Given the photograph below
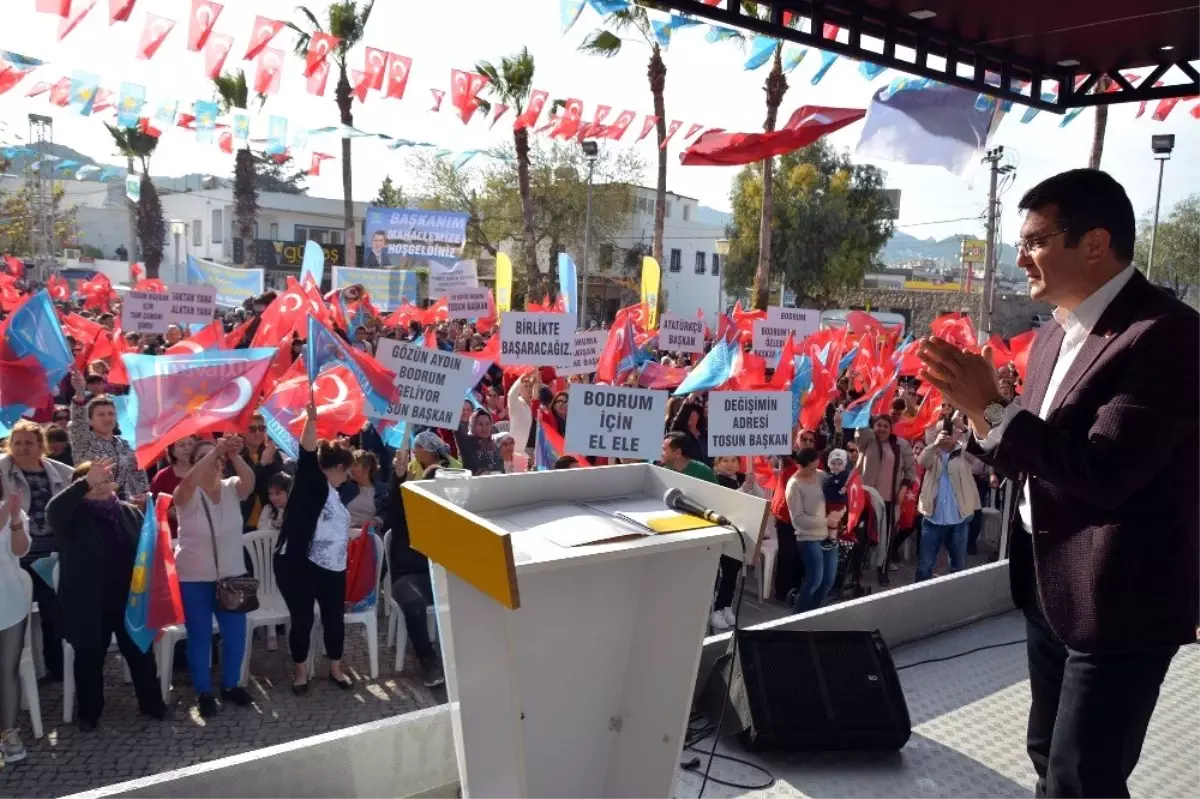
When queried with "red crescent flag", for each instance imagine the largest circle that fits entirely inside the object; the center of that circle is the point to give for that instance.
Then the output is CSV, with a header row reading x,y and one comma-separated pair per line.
x,y
59,8
568,122
529,117
315,168
376,68
806,125
856,500
647,125
73,17
497,112
398,69
693,129
119,10
617,129
216,50
60,290
264,31
438,95
153,34
200,24
320,45
360,83
270,71
597,126
209,337
318,79
60,93
41,87
11,77
464,92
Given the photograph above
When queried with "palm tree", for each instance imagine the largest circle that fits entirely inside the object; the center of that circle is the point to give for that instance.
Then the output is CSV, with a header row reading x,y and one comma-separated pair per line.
x,y
1100,126
345,20
607,43
233,92
151,227
775,87
511,84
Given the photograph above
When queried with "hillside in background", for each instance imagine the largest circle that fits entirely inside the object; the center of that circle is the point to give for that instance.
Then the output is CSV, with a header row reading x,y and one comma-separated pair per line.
x,y
904,247
193,182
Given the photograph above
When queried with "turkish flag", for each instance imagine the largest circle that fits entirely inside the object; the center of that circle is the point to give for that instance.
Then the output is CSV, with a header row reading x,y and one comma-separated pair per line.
x,y
59,8
671,128
617,129
528,117
398,69
438,96
314,168
856,500
119,10
318,79
806,125
376,68
264,31
41,87
693,130
200,24
209,337
270,71
216,50
597,126
568,122
647,125
70,20
153,34
464,92
60,92
319,48
60,290
497,112
361,83
11,77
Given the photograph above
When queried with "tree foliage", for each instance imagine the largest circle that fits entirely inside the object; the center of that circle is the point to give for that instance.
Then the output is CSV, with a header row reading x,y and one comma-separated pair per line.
x,y
279,174
390,195
1176,248
151,227
17,220
558,182
829,221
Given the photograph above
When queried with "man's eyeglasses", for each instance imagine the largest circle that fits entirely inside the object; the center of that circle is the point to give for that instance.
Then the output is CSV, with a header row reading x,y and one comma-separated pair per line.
x,y
1032,244
257,428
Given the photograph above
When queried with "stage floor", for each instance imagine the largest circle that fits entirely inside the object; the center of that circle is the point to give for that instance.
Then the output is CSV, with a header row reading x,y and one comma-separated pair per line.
x,y
969,717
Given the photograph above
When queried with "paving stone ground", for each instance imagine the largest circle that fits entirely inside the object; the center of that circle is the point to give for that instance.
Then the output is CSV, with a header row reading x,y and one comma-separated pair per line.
x,y
127,746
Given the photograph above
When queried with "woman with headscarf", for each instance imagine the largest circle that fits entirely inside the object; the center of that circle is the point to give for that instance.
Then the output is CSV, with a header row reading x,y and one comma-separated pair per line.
x,y
429,451
505,446
475,445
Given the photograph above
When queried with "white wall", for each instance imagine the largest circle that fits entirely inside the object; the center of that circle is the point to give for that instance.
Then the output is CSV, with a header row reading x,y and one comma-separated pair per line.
x,y
105,228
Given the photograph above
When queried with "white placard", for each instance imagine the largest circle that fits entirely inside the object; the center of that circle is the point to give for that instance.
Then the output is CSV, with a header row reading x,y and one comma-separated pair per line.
x,y
801,321
586,359
154,312
749,422
616,422
537,339
468,303
445,279
680,334
769,339
433,383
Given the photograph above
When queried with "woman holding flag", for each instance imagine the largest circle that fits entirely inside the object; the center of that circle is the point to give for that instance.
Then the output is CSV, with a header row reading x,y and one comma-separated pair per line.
x,y
97,541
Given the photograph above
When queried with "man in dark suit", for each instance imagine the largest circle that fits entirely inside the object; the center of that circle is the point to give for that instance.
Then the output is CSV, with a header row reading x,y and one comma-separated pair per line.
x,y
377,254
1103,444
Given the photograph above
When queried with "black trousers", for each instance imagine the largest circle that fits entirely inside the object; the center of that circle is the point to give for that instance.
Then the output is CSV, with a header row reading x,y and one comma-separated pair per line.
x,y
788,569
48,611
1089,712
302,583
727,577
89,671
414,594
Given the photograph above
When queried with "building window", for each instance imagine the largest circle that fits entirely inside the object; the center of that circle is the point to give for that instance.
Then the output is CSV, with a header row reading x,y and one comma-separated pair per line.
x,y
197,233
641,204
700,265
606,257
218,228
650,207
667,211
676,260
687,212
716,270
274,231
321,235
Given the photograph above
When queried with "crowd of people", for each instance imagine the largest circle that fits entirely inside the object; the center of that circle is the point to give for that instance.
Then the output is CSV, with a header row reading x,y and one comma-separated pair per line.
x,y
72,494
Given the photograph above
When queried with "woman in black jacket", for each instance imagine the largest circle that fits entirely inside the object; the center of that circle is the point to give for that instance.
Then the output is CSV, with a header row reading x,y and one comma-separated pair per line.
x,y
411,586
97,541
310,556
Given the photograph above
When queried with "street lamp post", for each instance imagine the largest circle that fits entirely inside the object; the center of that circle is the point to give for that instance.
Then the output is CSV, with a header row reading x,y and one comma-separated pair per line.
x,y
177,229
1161,145
590,151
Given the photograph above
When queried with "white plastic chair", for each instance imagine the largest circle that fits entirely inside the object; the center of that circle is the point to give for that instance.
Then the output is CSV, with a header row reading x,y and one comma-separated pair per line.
x,y
367,617
28,669
69,666
272,610
768,552
398,631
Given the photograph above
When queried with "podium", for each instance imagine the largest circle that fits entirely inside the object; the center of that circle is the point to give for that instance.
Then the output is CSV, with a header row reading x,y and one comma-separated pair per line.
x,y
570,666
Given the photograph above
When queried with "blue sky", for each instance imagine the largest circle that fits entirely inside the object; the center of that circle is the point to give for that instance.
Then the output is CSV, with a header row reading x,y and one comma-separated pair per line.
x,y
705,84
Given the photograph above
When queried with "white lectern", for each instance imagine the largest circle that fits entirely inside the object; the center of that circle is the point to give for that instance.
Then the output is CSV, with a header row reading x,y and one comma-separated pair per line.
x,y
570,666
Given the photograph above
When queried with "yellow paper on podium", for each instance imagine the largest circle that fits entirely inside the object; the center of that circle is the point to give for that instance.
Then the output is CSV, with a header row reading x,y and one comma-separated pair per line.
x,y
677,524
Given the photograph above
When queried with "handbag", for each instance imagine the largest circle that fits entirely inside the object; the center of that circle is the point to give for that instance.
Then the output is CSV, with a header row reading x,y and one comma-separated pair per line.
x,y
233,594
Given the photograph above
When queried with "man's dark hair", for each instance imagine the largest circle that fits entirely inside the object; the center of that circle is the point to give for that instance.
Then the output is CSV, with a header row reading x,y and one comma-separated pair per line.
x,y
806,456
1087,199
566,462
379,233
677,441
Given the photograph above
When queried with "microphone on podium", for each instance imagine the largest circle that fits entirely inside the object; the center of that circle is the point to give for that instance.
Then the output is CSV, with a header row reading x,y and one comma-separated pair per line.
x,y
677,501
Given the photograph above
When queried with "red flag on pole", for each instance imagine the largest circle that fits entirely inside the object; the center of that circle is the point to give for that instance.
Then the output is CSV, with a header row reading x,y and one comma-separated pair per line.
x,y
464,92
319,48
529,117
617,129
568,122
376,67
153,34
200,24
264,31
398,69
216,50
269,73
806,125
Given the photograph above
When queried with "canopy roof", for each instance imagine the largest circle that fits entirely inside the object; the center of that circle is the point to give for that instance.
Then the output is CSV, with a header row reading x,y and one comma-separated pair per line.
x,y
1051,54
